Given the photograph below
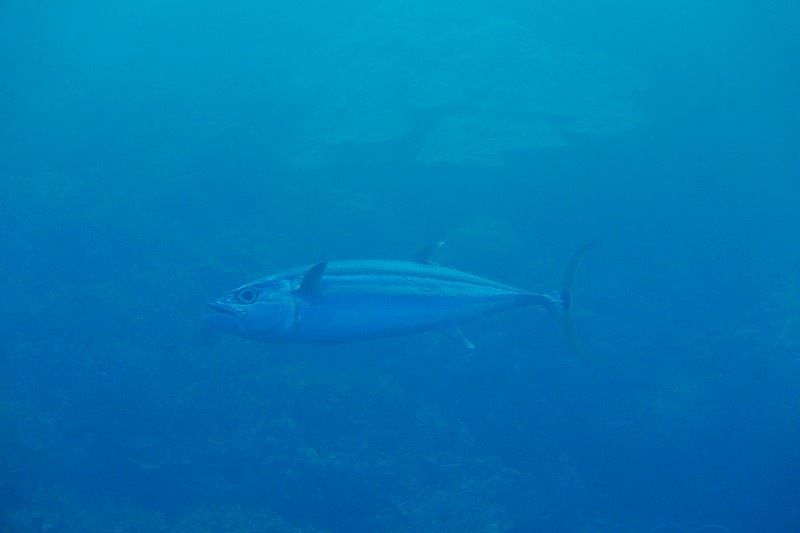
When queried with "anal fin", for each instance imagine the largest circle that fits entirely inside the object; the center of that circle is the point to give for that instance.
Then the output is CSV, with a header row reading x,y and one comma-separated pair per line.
x,y
455,335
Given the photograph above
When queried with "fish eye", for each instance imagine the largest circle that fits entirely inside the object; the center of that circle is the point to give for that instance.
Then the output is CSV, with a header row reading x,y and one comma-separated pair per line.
x,y
247,295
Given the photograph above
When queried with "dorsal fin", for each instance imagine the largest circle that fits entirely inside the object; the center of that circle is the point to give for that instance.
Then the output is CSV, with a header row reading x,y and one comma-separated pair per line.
x,y
312,281
425,255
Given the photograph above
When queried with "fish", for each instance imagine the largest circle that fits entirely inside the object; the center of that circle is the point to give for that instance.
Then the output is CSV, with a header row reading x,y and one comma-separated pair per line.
x,y
356,300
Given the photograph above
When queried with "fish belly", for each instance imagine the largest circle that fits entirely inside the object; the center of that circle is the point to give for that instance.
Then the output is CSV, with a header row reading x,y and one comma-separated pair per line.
x,y
355,317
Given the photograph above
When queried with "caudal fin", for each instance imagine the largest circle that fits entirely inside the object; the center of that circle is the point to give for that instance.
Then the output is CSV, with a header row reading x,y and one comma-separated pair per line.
x,y
559,302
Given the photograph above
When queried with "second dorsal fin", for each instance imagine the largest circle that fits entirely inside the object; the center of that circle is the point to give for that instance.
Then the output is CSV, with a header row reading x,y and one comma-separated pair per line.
x,y
426,254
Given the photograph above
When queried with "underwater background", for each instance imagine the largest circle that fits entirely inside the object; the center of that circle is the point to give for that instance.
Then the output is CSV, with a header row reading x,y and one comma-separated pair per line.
x,y
154,155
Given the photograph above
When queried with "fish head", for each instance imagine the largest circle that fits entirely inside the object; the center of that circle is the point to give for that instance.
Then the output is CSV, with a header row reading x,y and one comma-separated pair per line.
x,y
263,311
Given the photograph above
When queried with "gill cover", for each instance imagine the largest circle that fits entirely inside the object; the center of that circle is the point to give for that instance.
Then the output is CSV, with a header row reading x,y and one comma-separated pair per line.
x,y
264,311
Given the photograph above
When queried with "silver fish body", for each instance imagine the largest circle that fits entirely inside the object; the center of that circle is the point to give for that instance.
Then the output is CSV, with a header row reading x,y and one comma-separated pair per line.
x,y
347,301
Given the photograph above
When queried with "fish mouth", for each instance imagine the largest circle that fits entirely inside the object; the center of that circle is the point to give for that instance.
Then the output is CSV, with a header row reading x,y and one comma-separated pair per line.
x,y
223,309
225,318
220,308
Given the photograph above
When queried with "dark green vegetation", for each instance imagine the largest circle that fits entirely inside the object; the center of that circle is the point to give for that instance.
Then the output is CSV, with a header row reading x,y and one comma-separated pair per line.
x,y
120,412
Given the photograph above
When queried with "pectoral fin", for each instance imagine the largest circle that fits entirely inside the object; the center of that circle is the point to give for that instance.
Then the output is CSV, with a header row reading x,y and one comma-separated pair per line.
x,y
455,335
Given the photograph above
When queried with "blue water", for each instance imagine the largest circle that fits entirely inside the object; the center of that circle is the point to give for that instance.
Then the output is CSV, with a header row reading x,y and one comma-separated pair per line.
x,y
154,155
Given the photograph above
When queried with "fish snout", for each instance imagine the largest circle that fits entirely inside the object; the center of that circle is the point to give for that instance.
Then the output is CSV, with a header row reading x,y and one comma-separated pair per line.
x,y
224,309
225,318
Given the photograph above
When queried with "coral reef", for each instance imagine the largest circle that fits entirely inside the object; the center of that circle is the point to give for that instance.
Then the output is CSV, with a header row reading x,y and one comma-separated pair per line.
x,y
473,85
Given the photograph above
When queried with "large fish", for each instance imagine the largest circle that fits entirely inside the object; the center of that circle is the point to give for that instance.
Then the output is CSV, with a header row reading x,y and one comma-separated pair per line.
x,y
346,301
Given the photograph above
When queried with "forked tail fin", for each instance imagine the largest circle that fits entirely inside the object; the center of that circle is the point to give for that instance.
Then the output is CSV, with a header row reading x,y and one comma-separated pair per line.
x,y
559,302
